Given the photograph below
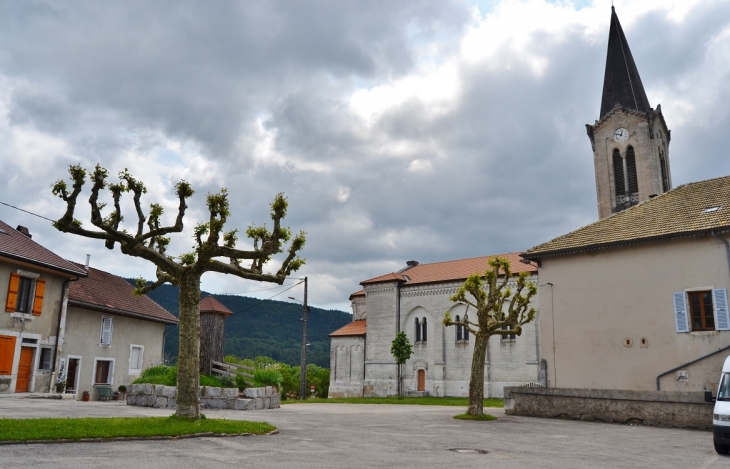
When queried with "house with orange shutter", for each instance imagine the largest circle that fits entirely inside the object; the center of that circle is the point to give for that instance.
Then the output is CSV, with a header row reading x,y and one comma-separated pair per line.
x,y
69,320
35,306
414,300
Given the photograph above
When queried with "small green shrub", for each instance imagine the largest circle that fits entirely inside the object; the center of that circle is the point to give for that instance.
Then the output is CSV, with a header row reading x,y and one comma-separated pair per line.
x,y
154,371
267,377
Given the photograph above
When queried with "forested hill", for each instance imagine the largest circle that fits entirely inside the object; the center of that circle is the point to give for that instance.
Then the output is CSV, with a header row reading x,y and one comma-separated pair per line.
x,y
271,328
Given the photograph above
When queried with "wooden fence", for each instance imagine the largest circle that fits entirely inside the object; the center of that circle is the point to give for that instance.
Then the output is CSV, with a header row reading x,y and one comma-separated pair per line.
x,y
232,370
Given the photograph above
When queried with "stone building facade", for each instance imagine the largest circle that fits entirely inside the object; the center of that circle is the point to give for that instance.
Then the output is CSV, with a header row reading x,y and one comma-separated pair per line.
x,y
415,300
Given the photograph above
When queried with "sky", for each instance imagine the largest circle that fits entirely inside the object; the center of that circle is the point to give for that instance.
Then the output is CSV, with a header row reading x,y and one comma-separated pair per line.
x,y
421,130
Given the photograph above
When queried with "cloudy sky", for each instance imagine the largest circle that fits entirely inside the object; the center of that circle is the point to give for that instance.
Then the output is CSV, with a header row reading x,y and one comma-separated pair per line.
x,y
427,130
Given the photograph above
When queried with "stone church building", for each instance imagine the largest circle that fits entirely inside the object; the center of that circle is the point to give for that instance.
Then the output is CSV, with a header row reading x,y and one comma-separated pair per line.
x,y
630,143
414,300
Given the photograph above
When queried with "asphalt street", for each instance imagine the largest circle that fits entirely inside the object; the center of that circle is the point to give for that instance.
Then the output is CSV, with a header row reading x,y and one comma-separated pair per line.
x,y
368,436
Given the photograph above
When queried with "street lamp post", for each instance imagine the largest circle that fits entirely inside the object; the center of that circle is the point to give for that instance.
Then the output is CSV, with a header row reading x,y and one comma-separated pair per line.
x,y
303,364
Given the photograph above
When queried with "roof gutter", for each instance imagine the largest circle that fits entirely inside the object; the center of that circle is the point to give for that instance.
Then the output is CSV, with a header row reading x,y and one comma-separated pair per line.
x,y
75,273
536,257
120,312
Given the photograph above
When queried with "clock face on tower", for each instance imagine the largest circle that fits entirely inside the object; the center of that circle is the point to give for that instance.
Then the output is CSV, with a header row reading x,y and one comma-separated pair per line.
x,y
620,135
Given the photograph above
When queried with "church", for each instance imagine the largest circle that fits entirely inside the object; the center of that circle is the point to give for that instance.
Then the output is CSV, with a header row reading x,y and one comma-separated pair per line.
x,y
630,144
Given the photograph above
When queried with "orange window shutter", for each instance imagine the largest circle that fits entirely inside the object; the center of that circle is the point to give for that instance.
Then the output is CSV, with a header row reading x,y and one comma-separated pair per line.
x,y
12,293
7,353
40,289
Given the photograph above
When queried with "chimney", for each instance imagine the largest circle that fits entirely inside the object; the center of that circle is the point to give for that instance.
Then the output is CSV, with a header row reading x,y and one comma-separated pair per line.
x,y
25,231
86,266
412,263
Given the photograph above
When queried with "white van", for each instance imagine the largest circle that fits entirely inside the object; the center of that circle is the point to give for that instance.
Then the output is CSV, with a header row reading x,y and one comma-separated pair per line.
x,y
721,414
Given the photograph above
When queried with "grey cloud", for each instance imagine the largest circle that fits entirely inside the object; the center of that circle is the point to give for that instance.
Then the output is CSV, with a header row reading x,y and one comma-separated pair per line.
x,y
512,166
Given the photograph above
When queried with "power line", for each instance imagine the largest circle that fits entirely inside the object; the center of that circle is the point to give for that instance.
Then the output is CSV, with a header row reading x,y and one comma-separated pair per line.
x,y
26,211
254,291
269,298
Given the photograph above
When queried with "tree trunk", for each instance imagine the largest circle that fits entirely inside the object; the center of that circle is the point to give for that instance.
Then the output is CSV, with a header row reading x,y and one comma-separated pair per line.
x,y
188,362
476,383
212,329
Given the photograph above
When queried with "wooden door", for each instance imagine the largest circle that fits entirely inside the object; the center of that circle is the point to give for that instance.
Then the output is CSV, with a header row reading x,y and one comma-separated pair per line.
x,y
73,364
421,380
24,368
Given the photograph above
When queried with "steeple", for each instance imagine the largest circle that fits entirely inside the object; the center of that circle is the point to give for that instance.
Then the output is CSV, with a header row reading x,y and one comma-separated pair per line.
x,y
630,140
621,83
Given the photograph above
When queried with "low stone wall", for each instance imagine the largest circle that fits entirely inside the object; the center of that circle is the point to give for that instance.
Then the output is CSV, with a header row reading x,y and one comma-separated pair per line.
x,y
164,397
655,408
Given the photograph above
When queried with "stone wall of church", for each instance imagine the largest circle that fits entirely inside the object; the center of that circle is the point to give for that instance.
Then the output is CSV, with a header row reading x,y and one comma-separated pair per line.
x,y
445,361
347,362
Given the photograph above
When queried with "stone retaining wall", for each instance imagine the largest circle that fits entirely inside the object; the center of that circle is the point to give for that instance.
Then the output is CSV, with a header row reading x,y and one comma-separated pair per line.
x,y
655,408
164,397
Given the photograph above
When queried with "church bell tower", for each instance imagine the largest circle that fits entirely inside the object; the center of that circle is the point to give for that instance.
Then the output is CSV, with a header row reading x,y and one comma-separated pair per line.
x,y
630,140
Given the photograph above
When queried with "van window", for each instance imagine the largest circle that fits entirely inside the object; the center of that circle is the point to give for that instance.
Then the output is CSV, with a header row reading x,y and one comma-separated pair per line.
x,y
723,394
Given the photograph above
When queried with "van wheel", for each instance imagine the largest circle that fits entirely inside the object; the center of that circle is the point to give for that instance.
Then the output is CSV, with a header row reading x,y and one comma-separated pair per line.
x,y
721,449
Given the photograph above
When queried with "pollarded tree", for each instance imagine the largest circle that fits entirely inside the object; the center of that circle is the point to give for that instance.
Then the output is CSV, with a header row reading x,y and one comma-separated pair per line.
x,y
184,271
499,311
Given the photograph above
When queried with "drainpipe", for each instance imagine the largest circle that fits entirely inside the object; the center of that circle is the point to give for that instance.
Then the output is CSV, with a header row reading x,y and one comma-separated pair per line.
x,y
61,316
727,247
397,330
658,386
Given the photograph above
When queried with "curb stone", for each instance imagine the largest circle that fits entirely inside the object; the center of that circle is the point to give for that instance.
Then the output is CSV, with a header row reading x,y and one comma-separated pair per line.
x,y
134,438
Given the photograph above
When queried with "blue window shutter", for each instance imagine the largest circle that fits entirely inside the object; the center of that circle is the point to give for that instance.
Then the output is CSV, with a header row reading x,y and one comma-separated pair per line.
x,y
680,312
722,318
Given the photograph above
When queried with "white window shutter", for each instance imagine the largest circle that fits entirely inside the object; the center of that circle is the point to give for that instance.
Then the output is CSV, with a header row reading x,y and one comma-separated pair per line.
x,y
106,331
680,312
722,319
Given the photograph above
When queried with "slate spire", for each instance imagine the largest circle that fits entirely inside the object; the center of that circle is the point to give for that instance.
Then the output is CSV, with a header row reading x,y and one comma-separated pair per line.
x,y
622,83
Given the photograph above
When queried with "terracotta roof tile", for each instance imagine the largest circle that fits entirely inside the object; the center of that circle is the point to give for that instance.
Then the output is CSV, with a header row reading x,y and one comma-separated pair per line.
x,y
449,271
357,293
695,208
355,328
107,292
16,245
211,305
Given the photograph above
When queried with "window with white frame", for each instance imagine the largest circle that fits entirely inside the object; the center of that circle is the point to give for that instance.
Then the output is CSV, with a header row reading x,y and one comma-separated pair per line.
x,y
701,310
106,331
103,371
136,358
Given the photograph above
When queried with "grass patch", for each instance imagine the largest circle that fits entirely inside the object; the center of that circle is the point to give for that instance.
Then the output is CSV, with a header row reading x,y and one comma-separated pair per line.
x,y
77,428
475,417
448,401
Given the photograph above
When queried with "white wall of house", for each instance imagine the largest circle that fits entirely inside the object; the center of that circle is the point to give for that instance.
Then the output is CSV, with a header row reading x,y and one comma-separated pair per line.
x,y
83,339
608,320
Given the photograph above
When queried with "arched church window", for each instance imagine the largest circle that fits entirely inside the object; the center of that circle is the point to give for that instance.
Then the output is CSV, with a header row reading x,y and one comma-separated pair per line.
x,y
618,173
466,333
631,170
459,334
418,331
425,330
663,167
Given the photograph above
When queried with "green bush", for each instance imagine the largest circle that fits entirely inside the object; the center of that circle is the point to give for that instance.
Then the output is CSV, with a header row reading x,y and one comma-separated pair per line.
x,y
267,377
155,370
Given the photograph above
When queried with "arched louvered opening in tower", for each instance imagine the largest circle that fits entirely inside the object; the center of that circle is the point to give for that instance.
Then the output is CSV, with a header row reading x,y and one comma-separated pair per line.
x,y
425,330
663,166
418,330
618,174
631,173
459,334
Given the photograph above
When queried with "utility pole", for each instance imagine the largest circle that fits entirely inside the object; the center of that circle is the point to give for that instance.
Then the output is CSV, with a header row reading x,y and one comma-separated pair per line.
x,y
303,373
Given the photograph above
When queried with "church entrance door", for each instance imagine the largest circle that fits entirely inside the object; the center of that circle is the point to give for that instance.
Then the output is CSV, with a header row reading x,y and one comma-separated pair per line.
x,y
421,380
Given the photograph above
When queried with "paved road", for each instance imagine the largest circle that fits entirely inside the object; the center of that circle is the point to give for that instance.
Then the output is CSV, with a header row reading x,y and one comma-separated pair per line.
x,y
368,436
